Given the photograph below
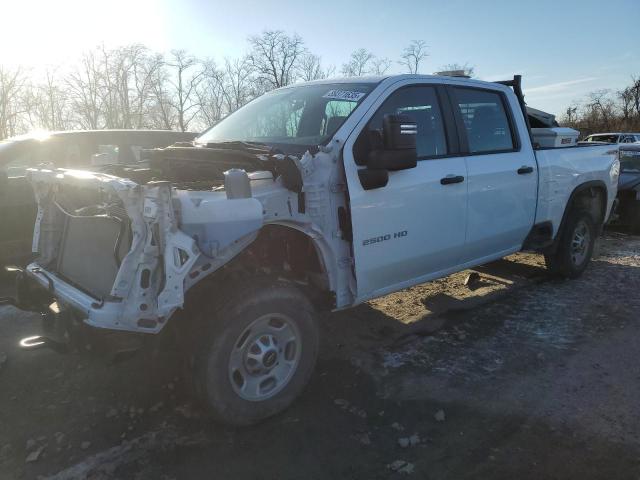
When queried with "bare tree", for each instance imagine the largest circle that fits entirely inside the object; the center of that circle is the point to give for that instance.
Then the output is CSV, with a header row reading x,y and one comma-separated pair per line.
x,y
380,66
626,102
131,77
359,63
49,104
187,74
84,85
134,87
634,92
210,95
12,84
600,108
161,110
275,56
413,55
311,68
236,83
571,114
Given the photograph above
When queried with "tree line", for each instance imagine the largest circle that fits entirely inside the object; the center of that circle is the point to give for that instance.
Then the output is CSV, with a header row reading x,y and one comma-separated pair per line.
x,y
135,87
606,111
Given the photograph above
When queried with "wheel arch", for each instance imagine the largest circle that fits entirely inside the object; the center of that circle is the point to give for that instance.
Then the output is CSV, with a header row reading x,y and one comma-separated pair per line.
x,y
592,196
283,250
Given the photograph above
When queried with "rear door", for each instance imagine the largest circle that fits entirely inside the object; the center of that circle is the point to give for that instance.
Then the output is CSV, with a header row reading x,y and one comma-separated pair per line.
x,y
502,173
413,227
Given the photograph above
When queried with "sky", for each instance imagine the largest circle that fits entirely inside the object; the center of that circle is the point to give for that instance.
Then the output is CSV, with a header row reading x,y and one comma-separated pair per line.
x,y
563,48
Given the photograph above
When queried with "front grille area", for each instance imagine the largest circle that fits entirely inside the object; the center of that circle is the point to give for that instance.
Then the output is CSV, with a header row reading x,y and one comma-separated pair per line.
x,y
91,250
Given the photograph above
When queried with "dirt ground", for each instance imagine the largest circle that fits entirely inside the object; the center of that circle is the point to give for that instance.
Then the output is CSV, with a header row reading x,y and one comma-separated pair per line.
x,y
518,376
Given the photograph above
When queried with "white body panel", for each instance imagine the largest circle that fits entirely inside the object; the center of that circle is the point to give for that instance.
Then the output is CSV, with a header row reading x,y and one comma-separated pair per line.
x,y
562,170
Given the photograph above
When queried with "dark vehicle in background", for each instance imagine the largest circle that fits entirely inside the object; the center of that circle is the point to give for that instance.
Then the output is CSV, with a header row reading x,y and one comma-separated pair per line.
x,y
628,209
102,150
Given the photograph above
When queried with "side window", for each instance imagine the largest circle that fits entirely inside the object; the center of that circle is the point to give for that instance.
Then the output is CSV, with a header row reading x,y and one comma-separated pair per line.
x,y
421,103
485,120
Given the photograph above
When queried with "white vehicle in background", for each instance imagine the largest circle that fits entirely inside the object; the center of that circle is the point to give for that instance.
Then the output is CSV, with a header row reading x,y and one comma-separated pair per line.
x,y
314,196
614,138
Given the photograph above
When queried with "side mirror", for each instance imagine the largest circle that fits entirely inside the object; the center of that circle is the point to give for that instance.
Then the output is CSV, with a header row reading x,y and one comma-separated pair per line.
x,y
398,150
371,179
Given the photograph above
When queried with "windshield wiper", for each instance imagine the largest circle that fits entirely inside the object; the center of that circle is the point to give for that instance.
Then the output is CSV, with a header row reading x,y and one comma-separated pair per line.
x,y
240,145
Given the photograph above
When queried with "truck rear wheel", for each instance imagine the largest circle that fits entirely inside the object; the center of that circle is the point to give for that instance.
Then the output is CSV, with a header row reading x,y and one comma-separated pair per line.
x,y
575,246
259,352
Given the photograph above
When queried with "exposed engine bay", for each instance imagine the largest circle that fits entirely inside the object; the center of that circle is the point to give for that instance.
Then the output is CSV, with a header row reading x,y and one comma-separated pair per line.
x,y
202,168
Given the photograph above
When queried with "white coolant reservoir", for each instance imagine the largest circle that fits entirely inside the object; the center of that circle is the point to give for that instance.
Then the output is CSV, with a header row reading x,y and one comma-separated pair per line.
x,y
215,221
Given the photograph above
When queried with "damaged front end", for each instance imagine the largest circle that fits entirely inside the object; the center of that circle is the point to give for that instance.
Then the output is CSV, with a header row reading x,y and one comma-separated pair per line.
x,y
121,253
110,248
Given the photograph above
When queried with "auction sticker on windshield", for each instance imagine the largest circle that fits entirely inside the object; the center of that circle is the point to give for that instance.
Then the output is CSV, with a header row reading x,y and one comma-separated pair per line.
x,y
347,95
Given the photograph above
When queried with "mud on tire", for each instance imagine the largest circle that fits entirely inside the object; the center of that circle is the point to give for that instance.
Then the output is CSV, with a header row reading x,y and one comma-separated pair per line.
x,y
257,351
575,246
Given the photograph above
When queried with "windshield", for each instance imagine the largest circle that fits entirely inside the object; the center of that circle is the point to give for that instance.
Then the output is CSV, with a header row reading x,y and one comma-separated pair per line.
x,y
630,161
603,138
307,115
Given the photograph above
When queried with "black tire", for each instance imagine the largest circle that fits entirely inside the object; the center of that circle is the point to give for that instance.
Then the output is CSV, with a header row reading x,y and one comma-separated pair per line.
x,y
216,380
569,260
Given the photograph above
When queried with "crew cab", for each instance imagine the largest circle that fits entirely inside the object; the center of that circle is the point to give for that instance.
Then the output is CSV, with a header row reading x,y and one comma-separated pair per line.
x,y
314,196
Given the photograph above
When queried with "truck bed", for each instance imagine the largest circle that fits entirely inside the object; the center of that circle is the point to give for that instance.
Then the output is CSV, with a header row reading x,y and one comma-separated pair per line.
x,y
561,170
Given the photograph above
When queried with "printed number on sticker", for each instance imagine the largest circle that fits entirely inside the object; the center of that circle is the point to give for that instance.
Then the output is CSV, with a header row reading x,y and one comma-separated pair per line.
x,y
347,95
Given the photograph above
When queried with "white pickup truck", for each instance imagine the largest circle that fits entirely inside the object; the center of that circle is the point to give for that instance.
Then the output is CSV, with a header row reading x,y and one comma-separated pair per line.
x,y
315,196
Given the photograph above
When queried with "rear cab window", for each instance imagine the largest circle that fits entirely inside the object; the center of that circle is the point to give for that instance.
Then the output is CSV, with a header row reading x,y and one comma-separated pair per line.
x,y
488,126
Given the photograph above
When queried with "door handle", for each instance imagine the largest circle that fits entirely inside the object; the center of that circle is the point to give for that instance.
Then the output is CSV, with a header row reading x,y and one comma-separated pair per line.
x,y
524,169
449,179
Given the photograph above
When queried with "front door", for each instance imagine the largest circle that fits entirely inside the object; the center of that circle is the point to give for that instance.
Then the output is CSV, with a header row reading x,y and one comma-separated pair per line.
x,y
414,227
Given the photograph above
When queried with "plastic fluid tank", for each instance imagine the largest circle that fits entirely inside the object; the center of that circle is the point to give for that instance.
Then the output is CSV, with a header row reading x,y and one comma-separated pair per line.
x,y
214,221
236,184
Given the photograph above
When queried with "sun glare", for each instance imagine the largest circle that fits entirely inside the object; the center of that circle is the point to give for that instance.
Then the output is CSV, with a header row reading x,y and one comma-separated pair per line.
x,y
42,32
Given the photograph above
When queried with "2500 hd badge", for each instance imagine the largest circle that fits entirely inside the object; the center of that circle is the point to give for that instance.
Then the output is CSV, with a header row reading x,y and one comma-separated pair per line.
x,y
384,238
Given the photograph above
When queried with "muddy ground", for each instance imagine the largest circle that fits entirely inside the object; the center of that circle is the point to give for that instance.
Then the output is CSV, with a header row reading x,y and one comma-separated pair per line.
x,y
518,377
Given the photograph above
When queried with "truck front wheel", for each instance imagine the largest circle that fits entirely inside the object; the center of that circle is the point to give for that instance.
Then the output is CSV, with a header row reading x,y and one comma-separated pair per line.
x,y
575,246
259,352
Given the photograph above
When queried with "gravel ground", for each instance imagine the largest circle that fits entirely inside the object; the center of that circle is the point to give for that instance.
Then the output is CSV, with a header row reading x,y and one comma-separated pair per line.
x,y
516,376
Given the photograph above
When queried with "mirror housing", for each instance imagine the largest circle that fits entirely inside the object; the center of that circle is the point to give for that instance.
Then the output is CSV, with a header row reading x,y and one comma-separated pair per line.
x,y
370,179
398,150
